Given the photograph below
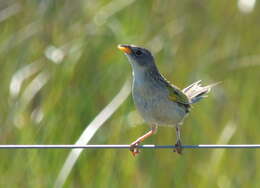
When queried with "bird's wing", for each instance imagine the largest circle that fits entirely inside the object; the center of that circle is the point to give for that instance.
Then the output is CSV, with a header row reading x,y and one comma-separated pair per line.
x,y
176,95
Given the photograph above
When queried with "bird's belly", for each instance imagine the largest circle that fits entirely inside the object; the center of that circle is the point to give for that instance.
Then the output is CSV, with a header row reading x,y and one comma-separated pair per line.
x,y
159,110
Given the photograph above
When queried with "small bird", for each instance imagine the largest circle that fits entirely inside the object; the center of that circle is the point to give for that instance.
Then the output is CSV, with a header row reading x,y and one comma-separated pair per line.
x,y
159,102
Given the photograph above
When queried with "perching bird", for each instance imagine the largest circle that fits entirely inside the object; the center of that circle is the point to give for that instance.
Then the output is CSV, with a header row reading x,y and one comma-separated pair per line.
x,y
159,102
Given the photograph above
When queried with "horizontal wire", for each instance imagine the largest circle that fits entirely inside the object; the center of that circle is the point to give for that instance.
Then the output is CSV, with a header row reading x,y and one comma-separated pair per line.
x,y
201,146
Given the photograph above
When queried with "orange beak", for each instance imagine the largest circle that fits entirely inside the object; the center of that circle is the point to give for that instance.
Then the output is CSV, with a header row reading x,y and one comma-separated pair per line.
x,y
124,48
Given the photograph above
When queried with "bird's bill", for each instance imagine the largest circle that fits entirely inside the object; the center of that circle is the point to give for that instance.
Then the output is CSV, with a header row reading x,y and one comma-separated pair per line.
x,y
124,48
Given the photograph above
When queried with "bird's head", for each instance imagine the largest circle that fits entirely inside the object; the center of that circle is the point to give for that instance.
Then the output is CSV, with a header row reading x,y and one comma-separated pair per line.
x,y
140,58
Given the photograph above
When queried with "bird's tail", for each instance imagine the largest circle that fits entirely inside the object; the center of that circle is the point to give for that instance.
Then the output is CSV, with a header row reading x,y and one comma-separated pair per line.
x,y
196,92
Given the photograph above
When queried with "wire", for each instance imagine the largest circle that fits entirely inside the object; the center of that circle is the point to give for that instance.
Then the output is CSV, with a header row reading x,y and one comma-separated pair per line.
x,y
202,146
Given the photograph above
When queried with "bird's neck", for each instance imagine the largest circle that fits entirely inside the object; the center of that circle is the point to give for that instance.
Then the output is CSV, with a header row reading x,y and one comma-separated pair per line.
x,y
141,74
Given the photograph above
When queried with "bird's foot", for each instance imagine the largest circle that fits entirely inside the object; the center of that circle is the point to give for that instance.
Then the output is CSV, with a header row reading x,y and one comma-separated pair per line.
x,y
178,147
134,148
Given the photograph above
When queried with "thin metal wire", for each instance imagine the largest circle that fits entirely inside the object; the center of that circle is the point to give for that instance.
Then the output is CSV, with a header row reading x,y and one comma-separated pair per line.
x,y
201,146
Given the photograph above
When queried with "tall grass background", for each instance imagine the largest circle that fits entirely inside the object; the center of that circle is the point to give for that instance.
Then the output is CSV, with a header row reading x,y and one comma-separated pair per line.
x,y
60,68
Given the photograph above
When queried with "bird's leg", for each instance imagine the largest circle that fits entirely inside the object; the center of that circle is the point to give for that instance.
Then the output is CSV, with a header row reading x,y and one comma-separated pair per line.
x,y
134,146
178,146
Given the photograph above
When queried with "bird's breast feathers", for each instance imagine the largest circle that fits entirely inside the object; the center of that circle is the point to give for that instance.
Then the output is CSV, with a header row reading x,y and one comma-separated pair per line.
x,y
154,105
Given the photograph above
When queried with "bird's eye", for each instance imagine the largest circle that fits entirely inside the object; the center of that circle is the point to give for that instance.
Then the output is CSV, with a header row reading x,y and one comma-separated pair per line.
x,y
138,52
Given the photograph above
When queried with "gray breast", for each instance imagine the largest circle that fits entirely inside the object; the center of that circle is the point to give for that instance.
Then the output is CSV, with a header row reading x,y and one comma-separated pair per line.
x,y
152,102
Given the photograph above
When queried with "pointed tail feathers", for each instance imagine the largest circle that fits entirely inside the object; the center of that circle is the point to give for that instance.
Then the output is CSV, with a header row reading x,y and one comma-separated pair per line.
x,y
196,92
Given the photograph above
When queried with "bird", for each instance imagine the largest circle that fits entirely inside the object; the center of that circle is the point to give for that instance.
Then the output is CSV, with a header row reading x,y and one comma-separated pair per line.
x,y
159,102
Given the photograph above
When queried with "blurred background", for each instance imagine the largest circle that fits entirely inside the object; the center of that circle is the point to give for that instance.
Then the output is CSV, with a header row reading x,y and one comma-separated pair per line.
x,y
60,67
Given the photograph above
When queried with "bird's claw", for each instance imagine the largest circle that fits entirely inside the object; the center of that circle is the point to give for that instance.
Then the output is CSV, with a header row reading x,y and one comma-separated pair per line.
x,y
134,148
178,147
